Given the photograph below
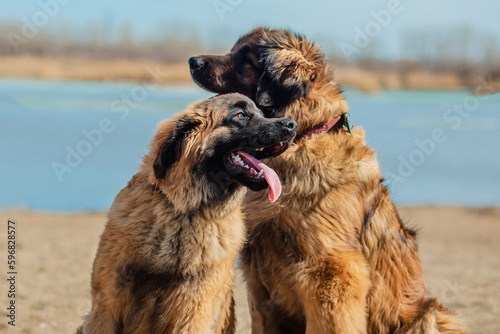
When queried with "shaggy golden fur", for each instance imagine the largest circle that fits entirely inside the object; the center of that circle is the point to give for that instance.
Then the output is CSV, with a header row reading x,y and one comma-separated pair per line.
x,y
332,255
165,260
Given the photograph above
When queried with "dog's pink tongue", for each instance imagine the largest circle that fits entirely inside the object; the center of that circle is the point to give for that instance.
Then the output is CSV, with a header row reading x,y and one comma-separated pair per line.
x,y
269,174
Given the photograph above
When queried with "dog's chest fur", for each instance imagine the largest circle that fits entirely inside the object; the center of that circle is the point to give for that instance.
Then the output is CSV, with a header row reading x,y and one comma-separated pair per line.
x,y
319,211
168,265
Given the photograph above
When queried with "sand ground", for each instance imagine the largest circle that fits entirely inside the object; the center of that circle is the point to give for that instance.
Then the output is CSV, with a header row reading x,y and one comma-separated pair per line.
x,y
459,249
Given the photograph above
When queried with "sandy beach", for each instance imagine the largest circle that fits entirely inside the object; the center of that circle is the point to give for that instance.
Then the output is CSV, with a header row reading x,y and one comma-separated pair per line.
x,y
459,248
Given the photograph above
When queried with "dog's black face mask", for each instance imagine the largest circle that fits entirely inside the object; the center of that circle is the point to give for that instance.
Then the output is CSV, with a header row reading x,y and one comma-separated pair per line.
x,y
251,137
269,74
234,146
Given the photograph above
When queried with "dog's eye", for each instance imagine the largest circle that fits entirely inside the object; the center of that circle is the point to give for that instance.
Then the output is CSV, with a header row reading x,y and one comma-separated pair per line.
x,y
241,115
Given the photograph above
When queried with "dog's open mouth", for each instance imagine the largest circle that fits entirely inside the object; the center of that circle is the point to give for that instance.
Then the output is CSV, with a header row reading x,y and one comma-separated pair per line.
x,y
245,162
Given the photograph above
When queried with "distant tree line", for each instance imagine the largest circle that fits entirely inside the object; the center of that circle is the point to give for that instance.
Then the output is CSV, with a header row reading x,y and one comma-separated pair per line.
x,y
94,43
459,50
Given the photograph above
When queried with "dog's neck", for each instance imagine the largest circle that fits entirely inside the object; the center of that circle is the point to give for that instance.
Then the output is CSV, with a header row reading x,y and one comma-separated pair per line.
x,y
318,110
215,199
327,101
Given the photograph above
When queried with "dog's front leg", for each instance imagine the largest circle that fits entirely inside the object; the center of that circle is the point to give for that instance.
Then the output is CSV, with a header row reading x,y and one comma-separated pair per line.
x,y
338,303
267,317
261,309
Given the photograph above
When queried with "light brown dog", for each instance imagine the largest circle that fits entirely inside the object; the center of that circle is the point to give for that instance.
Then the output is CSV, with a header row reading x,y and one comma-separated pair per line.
x,y
332,255
165,260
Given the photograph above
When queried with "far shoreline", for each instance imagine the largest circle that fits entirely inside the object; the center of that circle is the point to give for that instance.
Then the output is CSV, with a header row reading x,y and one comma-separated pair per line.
x,y
170,74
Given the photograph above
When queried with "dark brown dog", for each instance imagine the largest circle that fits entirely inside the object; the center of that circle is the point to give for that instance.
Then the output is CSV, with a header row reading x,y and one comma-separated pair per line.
x,y
165,260
332,255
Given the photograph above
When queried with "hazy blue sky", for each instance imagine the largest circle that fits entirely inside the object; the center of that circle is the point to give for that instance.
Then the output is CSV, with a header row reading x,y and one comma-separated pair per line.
x,y
329,22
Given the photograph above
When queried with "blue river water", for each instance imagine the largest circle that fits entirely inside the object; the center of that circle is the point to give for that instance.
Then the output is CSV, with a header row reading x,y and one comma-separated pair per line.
x,y
436,148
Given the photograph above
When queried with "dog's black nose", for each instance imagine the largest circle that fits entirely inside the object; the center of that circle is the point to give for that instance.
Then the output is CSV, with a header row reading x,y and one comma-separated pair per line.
x,y
196,63
289,124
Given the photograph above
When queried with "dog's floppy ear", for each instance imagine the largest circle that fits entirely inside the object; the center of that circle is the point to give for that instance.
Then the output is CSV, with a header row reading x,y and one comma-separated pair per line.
x,y
171,150
287,76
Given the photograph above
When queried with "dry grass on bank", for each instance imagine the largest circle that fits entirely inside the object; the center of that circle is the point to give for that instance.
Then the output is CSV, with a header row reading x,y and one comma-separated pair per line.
x,y
178,73
374,81
84,69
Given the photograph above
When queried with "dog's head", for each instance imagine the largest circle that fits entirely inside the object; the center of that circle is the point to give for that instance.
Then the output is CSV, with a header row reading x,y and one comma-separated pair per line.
x,y
272,67
216,144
